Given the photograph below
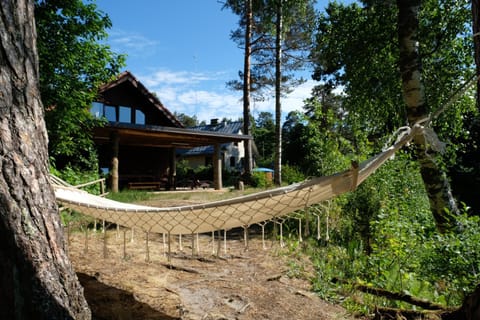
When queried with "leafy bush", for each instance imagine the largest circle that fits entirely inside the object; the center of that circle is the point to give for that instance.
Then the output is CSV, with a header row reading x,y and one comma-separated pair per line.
x,y
76,176
291,174
452,261
260,180
386,237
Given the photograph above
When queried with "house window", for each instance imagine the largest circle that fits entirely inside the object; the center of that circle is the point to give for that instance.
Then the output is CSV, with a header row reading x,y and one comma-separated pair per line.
x,y
139,117
110,113
125,114
97,109
232,162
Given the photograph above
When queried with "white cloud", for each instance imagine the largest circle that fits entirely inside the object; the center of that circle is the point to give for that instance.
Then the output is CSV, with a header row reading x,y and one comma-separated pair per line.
x,y
168,77
202,95
134,43
293,101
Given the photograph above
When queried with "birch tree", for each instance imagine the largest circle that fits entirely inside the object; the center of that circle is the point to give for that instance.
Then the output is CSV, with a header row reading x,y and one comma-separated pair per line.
x,y
442,203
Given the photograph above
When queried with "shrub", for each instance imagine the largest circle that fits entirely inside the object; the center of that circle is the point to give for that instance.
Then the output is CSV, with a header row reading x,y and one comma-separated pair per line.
x,y
291,174
260,180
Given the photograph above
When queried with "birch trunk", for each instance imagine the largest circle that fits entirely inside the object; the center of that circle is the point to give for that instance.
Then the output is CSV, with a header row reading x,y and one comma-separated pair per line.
x,y
278,86
442,204
37,280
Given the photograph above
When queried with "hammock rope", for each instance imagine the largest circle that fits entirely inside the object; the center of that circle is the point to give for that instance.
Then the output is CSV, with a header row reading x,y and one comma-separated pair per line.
x,y
224,215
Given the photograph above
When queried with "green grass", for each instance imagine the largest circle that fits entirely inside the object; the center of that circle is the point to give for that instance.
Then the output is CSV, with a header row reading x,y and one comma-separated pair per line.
x,y
130,196
134,196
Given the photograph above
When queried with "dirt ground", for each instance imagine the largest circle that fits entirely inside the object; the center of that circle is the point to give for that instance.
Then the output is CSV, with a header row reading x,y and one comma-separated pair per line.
x,y
224,280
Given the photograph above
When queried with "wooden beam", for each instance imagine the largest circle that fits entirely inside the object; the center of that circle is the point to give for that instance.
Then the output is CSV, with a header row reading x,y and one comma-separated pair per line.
x,y
217,167
172,170
115,140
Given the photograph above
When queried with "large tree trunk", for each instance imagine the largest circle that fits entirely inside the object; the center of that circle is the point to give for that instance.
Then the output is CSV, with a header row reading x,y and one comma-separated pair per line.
x,y
470,309
278,86
248,166
37,280
442,204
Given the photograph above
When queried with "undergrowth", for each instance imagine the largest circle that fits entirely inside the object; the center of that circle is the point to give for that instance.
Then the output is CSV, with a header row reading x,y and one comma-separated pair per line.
x,y
383,236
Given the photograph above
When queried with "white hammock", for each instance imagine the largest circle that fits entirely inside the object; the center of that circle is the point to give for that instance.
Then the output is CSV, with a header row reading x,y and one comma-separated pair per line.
x,y
226,214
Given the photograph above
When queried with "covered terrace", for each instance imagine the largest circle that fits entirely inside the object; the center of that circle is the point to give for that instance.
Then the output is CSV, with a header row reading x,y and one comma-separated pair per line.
x,y
126,142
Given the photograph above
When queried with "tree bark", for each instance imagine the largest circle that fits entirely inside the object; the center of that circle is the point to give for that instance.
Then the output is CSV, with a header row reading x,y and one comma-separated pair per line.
x,y
248,166
470,309
442,204
37,280
278,86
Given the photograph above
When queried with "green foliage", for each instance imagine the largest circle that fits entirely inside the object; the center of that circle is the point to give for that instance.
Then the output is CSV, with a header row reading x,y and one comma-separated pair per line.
x,y
76,176
363,208
387,236
183,170
389,214
291,174
357,48
452,261
264,136
327,150
260,180
186,120
298,25
74,62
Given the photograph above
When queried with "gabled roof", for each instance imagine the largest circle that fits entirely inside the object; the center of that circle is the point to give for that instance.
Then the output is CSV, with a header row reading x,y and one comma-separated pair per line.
x,y
126,76
161,136
221,128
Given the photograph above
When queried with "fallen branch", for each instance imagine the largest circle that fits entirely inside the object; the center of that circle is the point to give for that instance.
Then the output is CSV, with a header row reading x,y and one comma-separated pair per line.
x,y
423,303
179,268
274,277
394,313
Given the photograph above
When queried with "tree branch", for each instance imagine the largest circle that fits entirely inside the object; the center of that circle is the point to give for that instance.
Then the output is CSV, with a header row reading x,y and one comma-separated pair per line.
x,y
425,304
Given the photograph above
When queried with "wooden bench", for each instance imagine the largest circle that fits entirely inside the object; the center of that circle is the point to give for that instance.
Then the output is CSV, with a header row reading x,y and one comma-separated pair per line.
x,y
146,185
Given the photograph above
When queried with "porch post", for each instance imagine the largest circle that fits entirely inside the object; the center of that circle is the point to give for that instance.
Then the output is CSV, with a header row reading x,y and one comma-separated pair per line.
x,y
115,139
217,167
172,172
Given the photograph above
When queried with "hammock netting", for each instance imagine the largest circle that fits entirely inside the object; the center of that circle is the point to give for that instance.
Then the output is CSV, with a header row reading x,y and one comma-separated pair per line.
x,y
226,214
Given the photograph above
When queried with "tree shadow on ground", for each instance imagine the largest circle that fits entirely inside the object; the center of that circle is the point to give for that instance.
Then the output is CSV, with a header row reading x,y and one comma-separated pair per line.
x,y
110,303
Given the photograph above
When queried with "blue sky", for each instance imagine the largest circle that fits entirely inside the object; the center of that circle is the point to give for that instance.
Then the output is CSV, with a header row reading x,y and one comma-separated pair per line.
x,y
181,50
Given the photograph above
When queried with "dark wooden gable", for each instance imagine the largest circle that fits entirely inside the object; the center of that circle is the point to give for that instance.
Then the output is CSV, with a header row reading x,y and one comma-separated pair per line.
x,y
127,91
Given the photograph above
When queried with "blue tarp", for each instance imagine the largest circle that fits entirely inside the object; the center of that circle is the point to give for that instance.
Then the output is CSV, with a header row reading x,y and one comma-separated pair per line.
x,y
262,170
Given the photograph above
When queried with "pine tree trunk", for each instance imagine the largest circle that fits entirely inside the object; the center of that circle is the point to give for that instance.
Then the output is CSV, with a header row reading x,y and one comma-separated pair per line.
x,y
37,280
278,86
246,87
442,204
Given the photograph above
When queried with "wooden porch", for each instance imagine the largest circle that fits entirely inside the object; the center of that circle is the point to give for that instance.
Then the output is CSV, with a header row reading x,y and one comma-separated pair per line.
x,y
154,147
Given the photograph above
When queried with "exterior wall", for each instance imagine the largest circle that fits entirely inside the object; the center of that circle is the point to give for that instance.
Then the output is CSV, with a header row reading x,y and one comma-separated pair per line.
x,y
126,95
237,151
228,151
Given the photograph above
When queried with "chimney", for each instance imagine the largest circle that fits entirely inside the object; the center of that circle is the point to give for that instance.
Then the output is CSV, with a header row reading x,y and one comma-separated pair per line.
x,y
214,122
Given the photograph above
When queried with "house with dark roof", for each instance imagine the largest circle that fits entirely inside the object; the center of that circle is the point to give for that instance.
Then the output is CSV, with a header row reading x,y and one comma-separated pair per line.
x,y
232,153
138,144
